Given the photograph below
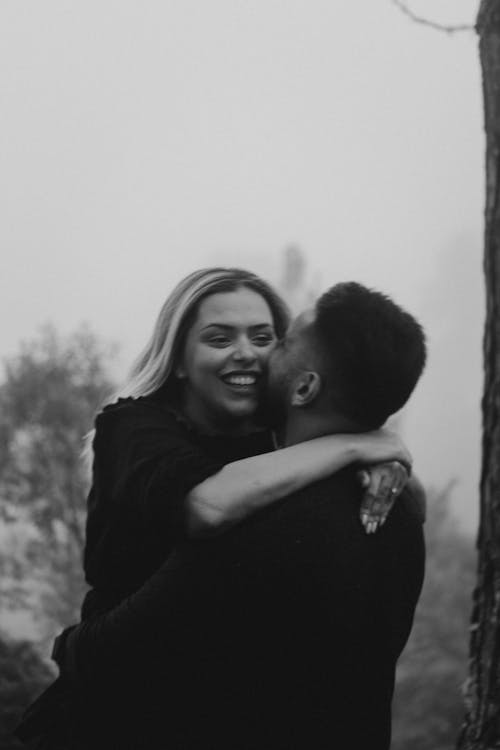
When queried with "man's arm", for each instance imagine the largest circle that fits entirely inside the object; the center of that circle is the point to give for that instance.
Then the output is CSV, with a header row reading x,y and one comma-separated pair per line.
x,y
121,643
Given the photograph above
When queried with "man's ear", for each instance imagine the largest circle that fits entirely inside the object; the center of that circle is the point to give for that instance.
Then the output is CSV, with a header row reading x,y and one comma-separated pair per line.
x,y
306,388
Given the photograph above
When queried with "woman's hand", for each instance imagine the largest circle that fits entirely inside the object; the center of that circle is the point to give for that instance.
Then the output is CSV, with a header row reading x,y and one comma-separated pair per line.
x,y
383,483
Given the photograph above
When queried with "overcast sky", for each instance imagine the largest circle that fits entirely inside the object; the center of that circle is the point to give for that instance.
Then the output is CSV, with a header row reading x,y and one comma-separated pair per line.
x,y
141,140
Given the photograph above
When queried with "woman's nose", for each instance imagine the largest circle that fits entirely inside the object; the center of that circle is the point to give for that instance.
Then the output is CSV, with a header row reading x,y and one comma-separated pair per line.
x,y
244,350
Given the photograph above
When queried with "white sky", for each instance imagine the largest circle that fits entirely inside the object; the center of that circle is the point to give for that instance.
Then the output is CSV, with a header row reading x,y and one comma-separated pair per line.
x,y
141,140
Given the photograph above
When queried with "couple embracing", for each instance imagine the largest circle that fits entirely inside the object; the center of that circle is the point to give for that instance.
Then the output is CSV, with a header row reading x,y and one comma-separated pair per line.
x,y
254,544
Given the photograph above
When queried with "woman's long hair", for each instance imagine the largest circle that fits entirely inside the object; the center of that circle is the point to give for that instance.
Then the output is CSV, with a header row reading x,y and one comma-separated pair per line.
x,y
155,366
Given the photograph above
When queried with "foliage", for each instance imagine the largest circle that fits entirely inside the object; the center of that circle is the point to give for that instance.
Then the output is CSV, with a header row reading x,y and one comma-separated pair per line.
x,y
23,675
48,399
428,705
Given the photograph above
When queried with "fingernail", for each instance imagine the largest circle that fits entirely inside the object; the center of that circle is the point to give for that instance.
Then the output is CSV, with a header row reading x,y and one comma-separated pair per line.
x,y
364,518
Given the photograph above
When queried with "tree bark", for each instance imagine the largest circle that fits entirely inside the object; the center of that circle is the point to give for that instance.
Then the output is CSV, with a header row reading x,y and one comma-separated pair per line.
x,y
481,729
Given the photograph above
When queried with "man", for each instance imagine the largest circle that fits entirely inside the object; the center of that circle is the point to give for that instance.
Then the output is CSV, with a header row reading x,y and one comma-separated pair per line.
x,y
309,614
284,632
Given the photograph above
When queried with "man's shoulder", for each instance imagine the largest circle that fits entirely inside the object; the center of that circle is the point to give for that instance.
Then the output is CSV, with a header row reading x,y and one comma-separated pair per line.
x,y
407,511
302,524
343,491
343,486
321,519
335,499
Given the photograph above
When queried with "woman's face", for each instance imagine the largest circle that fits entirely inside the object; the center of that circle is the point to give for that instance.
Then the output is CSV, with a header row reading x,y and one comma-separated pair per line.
x,y
224,360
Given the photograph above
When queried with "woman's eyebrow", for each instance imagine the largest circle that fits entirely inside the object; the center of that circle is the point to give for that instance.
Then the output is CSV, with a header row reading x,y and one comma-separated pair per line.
x,y
226,326
229,327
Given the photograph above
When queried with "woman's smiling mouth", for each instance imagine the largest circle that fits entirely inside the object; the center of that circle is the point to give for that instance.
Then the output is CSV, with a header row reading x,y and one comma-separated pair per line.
x,y
240,379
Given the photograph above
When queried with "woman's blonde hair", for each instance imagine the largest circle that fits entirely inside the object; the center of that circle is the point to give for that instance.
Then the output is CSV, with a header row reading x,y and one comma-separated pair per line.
x,y
154,367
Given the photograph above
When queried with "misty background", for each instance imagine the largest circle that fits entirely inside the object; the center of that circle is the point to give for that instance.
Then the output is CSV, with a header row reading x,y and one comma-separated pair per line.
x,y
140,141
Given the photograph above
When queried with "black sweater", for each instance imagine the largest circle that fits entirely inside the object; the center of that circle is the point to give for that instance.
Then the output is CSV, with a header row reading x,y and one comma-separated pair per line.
x,y
146,460
282,633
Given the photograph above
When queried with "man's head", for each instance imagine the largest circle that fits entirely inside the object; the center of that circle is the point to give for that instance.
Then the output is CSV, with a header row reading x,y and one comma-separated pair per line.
x,y
356,356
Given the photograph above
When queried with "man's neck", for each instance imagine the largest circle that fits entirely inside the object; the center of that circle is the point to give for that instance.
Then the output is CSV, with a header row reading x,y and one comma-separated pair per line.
x,y
304,425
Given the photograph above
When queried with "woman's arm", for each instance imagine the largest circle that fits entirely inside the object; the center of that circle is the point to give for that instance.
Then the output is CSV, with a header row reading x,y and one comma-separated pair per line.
x,y
243,487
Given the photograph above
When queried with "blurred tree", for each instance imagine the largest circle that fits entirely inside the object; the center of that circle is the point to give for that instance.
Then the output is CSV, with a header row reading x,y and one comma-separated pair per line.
x,y
428,703
23,675
298,291
481,730
48,399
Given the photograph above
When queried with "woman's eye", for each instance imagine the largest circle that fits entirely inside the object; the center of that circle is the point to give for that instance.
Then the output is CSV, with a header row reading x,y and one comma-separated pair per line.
x,y
263,339
219,340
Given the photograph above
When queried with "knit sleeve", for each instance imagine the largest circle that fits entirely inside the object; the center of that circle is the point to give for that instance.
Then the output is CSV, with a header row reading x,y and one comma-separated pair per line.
x,y
145,464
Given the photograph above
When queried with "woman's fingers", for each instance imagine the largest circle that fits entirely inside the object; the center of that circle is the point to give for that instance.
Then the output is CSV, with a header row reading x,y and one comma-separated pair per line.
x,y
386,481
364,477
377,500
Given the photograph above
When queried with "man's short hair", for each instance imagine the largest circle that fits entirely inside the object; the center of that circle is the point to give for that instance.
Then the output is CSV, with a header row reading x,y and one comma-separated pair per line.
x,y
373,352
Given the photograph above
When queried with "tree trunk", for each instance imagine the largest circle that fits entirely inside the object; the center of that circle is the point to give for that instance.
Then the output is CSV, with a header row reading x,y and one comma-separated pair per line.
x,y
481,730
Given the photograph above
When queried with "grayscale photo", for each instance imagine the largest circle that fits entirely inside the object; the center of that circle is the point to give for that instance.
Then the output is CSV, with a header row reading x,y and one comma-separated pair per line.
x,y
249,375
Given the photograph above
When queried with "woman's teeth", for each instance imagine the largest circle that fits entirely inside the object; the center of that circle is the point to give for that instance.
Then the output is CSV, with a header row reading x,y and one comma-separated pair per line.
x,y
241,379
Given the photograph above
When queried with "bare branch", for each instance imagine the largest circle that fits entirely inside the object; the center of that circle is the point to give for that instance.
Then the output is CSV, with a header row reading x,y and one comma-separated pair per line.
x,y
448,29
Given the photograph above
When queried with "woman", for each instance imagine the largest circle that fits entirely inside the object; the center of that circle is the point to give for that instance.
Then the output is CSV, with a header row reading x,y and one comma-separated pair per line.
x,y
180,455
183,451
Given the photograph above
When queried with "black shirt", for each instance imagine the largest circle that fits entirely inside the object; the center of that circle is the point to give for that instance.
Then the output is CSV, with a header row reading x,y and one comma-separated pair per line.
x,y
282,633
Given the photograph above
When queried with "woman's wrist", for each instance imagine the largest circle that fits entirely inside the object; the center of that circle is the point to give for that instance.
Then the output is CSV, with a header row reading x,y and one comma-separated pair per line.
x,y
381,446
361,447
